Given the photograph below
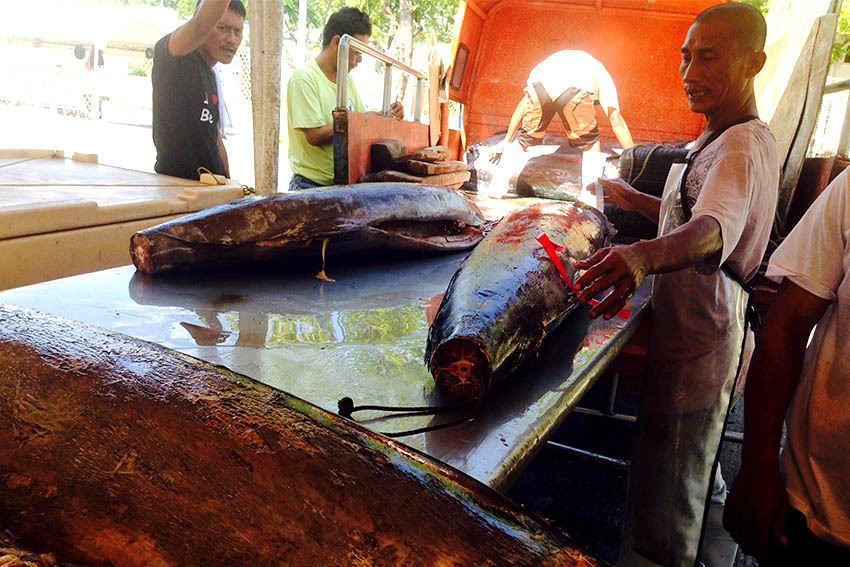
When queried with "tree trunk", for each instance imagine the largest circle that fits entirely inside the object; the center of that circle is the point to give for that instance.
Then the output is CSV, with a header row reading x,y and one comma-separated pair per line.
x,y
403,46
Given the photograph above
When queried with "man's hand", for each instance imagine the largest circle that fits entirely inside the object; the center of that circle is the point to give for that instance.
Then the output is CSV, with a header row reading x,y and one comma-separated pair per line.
x,y
397,110
188,37
618,192
756,509
495,151
620,267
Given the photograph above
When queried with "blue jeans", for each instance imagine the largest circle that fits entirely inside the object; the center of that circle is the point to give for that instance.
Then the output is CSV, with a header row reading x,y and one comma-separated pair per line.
x,y
299,182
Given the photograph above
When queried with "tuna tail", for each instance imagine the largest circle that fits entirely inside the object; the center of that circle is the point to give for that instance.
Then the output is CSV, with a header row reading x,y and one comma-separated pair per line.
x,y
461,369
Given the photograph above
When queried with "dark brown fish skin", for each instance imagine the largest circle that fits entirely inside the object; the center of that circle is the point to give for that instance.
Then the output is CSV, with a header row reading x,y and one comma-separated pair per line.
x,y
507,296
354,218
119,452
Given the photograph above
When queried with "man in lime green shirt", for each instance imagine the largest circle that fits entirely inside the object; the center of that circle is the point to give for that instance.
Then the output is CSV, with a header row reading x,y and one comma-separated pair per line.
x,y
311,99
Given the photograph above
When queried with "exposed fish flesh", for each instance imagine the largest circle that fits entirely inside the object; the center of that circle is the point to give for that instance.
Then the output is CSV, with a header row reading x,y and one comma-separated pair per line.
x,y
346,219
120,452
507,296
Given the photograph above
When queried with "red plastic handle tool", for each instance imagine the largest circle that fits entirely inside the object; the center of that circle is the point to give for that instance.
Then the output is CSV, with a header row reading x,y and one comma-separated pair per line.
x,y
551,251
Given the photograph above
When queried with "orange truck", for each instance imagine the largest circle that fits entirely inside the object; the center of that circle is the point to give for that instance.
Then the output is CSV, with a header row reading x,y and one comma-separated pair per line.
x,y
497,43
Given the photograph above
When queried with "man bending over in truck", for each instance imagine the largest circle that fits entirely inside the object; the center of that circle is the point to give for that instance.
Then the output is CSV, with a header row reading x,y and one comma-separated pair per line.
x,y
311,99
185,97
715,219
574,86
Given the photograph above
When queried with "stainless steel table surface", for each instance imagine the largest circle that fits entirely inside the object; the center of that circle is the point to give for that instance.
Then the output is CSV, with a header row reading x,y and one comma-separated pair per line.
x,y
362,336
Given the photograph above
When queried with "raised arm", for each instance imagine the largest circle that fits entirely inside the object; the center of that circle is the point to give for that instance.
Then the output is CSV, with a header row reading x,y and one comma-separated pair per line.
x,y
188,37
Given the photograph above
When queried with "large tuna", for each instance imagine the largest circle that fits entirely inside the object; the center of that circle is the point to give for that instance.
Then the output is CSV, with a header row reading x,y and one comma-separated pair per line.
x,y
344,219
507,295
119,452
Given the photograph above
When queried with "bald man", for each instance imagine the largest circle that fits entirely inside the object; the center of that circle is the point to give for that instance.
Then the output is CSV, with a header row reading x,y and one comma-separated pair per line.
x,y
714,220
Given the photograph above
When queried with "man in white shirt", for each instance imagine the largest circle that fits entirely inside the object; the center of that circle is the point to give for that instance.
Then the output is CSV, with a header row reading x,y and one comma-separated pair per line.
x,y
714,224
799,513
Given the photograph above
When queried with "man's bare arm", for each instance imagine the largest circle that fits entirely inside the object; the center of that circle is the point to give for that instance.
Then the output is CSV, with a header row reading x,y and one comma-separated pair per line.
x,y
621,129
757,506
188,37
516,119
513,126
319,136
624,267
620,193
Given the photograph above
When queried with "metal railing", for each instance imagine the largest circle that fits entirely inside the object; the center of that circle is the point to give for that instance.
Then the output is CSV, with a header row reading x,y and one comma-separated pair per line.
x,y
346,42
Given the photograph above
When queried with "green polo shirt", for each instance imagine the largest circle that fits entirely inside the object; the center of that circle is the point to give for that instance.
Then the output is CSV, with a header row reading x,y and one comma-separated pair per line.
x,y
310,101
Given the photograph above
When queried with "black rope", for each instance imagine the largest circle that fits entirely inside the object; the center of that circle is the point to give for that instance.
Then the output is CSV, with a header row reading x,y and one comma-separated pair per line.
x,y
346,408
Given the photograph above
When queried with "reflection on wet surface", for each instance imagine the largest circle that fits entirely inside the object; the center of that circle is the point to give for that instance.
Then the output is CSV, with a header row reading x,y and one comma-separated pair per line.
x,y
363,337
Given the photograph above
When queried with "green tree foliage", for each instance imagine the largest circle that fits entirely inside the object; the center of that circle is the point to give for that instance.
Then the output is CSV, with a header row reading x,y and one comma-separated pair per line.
x,y
185,8
429,16
841,47
760,4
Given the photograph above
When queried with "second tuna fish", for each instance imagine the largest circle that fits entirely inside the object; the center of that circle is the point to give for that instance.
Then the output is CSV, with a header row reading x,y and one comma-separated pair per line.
x,y
507,295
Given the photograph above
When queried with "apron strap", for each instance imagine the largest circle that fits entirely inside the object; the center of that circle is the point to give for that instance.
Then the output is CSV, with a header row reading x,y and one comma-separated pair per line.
x,y
686,208
683,192
549,107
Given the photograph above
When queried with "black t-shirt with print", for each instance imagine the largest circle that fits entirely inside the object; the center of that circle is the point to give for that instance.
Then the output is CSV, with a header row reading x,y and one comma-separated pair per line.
x,y
185,114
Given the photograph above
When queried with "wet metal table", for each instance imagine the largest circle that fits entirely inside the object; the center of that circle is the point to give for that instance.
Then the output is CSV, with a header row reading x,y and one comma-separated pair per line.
x,y
362,336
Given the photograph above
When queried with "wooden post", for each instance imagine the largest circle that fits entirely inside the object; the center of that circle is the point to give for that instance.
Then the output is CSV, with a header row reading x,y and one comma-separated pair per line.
x,y
266,18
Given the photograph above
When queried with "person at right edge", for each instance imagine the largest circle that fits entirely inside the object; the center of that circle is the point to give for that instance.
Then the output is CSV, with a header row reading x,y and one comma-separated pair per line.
x,y
714,222
799,513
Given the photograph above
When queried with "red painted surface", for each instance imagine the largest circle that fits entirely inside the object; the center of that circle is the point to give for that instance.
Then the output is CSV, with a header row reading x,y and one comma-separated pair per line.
x,y
637,41
364,129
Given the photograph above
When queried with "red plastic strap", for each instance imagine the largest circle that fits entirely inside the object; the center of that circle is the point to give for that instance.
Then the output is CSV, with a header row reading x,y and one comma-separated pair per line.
x,y
551,248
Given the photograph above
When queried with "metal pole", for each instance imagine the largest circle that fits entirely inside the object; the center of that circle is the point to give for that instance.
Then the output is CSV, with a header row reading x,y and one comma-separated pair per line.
x,y
342,71
388,87
618,464
347,42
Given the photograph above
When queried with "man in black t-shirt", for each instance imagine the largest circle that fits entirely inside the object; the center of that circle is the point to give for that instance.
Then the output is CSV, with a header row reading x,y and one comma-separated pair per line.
x,y
185,98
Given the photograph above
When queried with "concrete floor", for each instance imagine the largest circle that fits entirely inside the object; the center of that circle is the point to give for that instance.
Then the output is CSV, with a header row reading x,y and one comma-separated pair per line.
x,y
587,499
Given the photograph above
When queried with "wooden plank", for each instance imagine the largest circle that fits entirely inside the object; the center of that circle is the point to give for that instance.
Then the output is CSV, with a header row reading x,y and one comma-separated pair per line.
x,y
432,153
817,66
780,87
391,175
434,168
383,153
353,141
447,178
